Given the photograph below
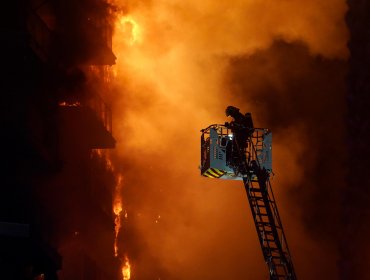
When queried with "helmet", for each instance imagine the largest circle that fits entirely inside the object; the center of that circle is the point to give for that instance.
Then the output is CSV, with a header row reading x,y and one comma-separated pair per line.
x,y
231,110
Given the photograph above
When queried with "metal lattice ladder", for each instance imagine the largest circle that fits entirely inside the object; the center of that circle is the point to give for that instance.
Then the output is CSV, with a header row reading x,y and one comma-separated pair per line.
x,y
267,222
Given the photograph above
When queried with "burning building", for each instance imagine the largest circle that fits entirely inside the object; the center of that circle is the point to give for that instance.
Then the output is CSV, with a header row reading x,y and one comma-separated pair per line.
x,y
178,64
56,219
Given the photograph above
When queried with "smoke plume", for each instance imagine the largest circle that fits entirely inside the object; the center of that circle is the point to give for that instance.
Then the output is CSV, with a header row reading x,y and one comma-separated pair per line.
x,y
179,64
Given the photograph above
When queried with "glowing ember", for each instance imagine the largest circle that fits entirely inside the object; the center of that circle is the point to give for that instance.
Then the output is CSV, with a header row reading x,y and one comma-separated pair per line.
x,y
68,104
126,269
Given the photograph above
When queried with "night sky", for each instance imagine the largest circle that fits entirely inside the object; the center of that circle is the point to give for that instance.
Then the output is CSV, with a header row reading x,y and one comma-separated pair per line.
x,y
300,67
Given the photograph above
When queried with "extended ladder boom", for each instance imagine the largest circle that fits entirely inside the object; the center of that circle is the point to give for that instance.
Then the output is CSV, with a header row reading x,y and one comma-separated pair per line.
x,y
238,151
266,219
249,150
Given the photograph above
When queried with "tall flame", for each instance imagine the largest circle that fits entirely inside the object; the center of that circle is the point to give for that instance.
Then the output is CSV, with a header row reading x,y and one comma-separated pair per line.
x,y
117,210
118,213
126,269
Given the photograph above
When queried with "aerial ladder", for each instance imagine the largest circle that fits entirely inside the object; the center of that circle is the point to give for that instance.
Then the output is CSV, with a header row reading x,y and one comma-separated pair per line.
x,y
238,151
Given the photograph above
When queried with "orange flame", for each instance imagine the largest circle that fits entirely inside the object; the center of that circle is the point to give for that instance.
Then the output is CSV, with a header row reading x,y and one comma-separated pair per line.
x,y
117,209
129,29
126,269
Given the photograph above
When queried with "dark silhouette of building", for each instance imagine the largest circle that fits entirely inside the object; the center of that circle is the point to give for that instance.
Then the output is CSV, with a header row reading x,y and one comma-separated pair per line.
x,y
354,243
56,219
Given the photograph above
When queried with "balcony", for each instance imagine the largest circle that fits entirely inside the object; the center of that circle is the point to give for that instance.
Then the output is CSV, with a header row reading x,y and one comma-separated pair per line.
x,y
87,123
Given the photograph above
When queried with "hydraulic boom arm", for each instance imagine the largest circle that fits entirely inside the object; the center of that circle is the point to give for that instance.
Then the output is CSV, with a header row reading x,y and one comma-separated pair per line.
x,y
267,221
238,151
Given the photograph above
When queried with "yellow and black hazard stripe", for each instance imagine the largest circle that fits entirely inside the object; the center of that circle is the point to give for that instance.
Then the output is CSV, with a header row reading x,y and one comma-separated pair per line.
x,y
213,173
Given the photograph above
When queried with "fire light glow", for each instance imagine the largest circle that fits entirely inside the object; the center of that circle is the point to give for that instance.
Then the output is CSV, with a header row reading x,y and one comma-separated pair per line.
x,y
117,210
126,269
68,104
129,29
118,213
172,57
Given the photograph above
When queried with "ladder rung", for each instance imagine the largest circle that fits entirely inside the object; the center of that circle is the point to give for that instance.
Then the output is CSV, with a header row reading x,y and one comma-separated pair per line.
x,y
265,228
279,264
265,224
256,201
271,244
276,257
262,214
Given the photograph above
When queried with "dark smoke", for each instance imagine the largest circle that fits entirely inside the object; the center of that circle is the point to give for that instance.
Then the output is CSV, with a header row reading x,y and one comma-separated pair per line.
x,y
302,99
286,85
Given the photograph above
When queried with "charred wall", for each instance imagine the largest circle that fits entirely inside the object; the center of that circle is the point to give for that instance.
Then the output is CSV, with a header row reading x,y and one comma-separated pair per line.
x,y
56,220
354,243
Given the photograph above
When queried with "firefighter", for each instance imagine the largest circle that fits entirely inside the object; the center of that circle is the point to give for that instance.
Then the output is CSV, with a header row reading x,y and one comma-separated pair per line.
x,y
239,118
241,126
242,129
